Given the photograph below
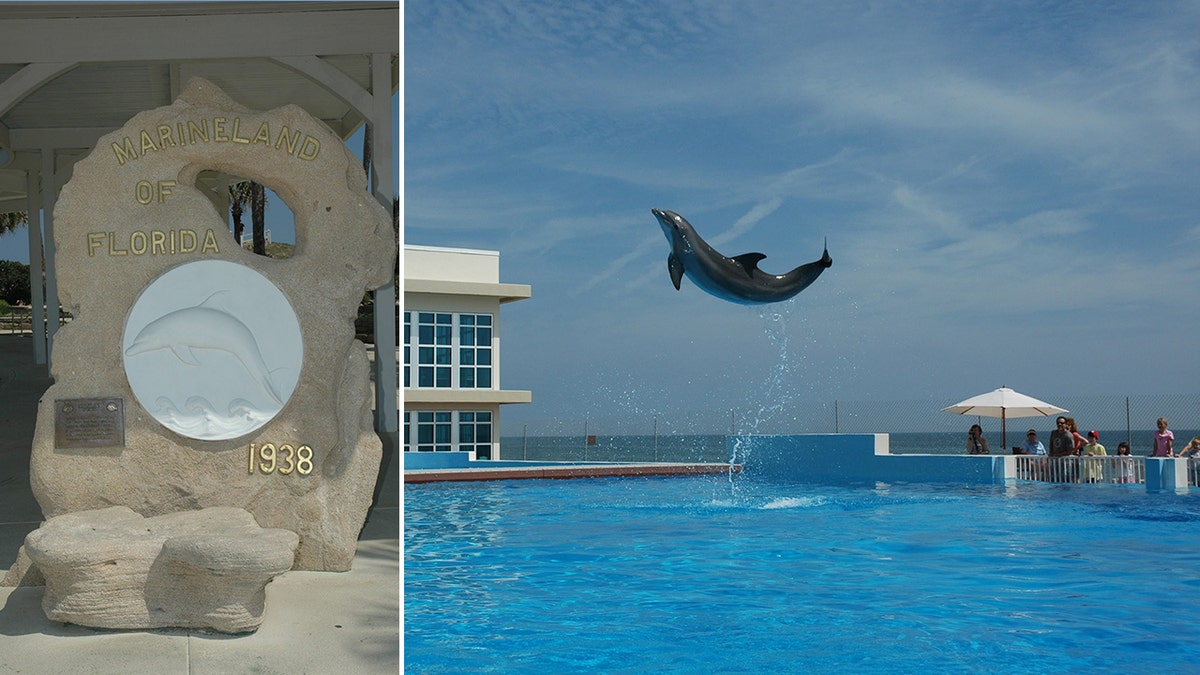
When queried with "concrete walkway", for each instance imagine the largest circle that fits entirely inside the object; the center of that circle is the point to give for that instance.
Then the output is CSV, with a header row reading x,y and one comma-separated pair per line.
x,y
315,622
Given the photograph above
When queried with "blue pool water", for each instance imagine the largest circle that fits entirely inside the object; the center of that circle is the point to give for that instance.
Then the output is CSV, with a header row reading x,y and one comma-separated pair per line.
x,y
705,575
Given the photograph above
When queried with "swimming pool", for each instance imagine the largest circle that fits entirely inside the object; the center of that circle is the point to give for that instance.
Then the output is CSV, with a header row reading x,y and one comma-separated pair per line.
x,y
710,575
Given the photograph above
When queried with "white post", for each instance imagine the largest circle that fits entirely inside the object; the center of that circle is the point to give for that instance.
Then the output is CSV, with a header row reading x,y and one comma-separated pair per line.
x,y
387,406
49,188
36,288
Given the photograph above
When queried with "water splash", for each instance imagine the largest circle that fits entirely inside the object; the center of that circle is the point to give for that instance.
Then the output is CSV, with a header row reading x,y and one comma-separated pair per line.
x,y
777,395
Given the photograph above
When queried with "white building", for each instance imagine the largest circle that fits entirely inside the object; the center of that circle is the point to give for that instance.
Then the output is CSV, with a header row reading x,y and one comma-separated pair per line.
x,y
452,393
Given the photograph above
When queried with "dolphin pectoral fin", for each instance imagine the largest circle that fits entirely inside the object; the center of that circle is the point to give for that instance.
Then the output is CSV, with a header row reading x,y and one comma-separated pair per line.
x,y
749,261
675,268
184,353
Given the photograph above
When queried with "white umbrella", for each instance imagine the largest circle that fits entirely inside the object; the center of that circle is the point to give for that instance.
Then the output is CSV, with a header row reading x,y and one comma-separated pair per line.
x,y
1004,403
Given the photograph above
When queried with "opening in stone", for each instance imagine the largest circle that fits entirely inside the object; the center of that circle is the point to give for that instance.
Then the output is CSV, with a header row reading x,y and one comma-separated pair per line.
x,y
236,197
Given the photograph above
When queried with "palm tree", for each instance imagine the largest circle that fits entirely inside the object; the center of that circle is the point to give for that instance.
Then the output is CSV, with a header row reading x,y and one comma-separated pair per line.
x,y
368,152
11,221
248,193
239,197
258,208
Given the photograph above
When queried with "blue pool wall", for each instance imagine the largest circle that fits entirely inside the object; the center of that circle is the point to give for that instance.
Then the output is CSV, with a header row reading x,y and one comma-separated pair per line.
x,y
838,459
440,461
862,458
855,458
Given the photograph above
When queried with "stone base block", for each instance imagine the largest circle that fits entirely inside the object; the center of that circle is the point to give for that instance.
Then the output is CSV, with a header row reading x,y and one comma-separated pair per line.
x,y
112,568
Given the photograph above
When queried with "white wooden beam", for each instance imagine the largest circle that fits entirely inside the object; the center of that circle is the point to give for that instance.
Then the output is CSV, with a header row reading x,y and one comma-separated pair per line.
x,y
78,137
213,35
332,79
23,82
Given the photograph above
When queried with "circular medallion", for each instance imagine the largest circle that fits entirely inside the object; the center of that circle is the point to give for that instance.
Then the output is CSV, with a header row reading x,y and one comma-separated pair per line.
x,y
212,350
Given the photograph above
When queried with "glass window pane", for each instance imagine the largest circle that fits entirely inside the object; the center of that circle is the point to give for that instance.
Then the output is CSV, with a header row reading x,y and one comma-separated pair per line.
x,y
465,433
424,377
484,416
466,378
444,335
483,357
425,317
442,433
466,336
483,336
443,377
425,335
483,378
483,433
466,357
443,356
425,355
485,319
443,319
467,320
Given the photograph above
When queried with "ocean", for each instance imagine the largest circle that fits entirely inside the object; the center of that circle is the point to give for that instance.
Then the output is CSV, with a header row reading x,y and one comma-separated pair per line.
x,y
711,447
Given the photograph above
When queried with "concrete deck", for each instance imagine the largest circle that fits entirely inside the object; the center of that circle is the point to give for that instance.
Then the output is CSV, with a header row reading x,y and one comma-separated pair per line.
x,y
315,622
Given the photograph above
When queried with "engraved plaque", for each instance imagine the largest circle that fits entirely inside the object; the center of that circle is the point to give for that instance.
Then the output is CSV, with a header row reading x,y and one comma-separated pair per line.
x,y
89,422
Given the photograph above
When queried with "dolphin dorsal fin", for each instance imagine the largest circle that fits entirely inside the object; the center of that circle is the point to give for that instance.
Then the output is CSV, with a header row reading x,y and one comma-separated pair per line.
x,y
749,261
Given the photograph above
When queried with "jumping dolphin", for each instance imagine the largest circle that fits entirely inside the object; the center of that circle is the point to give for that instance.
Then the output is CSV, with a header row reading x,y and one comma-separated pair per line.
x,y
203,327
736,279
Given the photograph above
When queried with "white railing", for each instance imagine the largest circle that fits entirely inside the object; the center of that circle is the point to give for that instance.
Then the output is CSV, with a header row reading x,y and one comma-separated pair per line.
x,y
1193,471
1112,469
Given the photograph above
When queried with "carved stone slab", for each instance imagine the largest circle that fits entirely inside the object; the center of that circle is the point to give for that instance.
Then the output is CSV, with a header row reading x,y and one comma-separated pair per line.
x,y
242,383
112,568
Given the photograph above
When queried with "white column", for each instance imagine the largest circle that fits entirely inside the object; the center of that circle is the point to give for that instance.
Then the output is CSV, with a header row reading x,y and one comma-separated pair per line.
x,y
37,293
387,415
49,190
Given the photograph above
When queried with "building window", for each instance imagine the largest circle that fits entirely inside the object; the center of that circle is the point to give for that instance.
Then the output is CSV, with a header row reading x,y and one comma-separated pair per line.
x,y
475,433
433,432
435,334
475,351
408,352
437,432
453,350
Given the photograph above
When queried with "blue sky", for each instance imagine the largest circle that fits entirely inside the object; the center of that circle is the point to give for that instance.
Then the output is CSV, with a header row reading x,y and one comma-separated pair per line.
x,y
1009,191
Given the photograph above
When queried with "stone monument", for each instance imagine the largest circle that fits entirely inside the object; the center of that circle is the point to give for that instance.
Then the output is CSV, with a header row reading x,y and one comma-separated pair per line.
x,y
198,378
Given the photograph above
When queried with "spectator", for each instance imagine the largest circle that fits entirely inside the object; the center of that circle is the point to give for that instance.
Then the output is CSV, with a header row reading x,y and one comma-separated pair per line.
x,y
1124,463
1094,468
976,443
1032,445
1164,439
1079,440
1062,443
1192,449
1062,446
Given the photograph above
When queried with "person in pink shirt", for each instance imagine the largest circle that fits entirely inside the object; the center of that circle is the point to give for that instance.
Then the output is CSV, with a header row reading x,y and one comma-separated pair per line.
x,y
1163,440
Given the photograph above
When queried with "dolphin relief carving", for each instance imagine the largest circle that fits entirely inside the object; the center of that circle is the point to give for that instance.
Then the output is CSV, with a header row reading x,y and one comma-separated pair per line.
x,y
204,327
735,279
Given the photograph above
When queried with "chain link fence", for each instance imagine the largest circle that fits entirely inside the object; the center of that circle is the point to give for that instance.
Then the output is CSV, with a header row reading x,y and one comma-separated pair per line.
x,y
915,425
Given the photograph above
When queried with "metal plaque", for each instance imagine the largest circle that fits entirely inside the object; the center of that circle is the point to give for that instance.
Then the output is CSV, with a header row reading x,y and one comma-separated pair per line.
x,y
89,422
